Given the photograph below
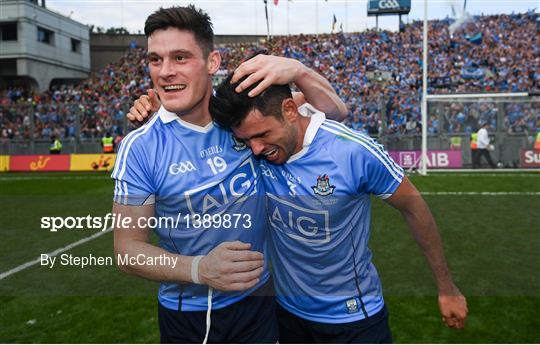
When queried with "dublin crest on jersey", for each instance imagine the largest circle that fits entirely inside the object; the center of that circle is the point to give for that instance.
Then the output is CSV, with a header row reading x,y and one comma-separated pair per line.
x,y
323,186
238,145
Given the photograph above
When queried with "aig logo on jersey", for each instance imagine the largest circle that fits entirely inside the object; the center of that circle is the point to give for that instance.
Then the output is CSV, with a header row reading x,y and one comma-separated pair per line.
x,y
323,186
217,196
181,168
300,223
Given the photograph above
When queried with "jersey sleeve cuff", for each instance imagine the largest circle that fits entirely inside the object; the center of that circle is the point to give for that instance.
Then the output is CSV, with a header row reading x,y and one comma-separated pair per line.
x,y
391,190
135,200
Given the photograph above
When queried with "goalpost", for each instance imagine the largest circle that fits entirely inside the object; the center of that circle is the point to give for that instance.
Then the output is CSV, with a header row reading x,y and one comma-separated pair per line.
x,y
452,118
502,128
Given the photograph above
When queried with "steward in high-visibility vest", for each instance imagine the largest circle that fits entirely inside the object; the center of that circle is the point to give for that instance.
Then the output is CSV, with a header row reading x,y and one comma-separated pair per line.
x,y
56,146
474,141
537,143
455,143
474,150
107,142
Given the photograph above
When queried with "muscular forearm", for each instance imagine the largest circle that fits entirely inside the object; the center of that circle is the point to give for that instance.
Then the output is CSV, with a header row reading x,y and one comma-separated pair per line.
x,y
319,93
414,209
424,230
154,263
172,268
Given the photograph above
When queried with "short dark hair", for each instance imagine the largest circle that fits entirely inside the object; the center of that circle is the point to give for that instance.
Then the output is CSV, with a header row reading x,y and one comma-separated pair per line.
x,y
229,108
183,18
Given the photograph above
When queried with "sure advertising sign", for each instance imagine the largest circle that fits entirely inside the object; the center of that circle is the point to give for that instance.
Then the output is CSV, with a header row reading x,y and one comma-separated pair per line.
x,y
530,158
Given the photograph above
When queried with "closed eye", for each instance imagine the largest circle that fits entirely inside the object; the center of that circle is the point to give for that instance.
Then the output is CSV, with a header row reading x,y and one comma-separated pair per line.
x,y
260,135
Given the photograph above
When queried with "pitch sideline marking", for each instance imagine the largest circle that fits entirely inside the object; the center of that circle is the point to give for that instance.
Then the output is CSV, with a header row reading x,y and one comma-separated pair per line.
x,y
53,253
98,234
484,174
482,193
466,173
29,178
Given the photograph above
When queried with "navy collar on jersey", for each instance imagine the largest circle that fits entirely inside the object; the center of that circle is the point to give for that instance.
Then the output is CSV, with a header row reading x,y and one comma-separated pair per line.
x,y
166,117
317,118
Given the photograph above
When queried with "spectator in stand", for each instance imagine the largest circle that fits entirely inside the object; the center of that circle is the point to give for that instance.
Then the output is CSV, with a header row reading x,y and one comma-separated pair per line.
x,y
362,67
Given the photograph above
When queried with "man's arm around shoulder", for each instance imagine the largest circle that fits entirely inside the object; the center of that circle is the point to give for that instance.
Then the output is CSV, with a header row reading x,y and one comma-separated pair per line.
x,y
230,266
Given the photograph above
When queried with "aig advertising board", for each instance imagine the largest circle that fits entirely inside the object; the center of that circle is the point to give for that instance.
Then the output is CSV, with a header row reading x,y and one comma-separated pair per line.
x,y
441,159
387,7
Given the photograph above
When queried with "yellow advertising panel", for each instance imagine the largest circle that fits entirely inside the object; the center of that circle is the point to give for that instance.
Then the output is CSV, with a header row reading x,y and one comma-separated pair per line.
x,y
4,163
100,162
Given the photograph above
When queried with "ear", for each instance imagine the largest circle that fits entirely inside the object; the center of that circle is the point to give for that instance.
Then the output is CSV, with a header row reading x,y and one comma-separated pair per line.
x,y
289,110
213,62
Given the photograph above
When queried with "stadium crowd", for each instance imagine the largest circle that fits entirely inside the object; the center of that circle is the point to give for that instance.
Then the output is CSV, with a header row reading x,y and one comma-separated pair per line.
x,y
372,71
100,101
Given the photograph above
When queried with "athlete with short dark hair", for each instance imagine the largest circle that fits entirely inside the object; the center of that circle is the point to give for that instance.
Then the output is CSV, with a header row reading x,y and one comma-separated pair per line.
x,y
181,166
319,177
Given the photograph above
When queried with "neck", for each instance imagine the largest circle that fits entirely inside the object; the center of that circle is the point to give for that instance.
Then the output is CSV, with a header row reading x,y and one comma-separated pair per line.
x,y
199,115
303,123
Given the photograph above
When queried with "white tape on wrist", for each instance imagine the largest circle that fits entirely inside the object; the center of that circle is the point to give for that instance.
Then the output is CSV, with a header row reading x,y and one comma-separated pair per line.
x,y
195,269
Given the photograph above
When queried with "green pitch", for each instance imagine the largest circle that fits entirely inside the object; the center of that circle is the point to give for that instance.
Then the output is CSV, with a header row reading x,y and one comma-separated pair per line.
x,y
491,242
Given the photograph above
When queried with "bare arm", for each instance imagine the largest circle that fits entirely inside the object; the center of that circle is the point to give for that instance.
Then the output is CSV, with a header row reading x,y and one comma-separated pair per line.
x,y
132,242
416,213
268,70
230,266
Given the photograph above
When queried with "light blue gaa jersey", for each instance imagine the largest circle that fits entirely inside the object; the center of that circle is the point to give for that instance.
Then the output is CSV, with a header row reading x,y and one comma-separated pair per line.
x,y
319,209
191,172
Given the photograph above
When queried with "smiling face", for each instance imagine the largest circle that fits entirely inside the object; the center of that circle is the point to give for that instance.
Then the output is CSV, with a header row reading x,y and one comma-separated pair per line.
x,y
275,139
181,73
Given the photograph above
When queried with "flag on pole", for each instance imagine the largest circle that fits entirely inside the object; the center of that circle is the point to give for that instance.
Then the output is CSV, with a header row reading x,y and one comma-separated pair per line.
x,y
334,23
267,23
276,2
